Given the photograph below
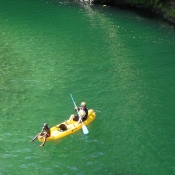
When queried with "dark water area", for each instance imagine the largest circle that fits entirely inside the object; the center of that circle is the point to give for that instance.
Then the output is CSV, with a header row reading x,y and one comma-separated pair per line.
x,y
120,63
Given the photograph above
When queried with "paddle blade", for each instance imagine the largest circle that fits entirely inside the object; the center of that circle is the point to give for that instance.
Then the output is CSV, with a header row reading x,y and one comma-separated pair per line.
x,y
85,130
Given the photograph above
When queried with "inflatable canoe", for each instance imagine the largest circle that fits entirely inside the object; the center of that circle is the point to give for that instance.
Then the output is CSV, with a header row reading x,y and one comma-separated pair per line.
x,y
62,130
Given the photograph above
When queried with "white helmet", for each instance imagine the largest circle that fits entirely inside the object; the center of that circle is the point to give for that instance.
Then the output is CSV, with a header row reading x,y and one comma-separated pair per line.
x,y
83,104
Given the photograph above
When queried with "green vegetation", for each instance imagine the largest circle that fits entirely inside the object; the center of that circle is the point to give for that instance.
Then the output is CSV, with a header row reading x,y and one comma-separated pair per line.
x,y
166,7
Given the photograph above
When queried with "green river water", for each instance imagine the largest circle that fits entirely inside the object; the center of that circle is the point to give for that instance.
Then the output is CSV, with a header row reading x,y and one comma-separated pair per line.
x,y
120,63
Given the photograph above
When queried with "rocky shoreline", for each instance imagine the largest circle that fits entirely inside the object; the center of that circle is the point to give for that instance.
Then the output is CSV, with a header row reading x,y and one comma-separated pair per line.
x,y
164,10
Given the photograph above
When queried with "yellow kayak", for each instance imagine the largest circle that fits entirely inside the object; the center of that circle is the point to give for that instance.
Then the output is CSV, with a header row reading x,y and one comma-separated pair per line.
x,y
62,130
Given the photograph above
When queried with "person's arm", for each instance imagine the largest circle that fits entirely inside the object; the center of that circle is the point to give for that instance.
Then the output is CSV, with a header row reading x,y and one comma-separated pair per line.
x,y
42,130
76,109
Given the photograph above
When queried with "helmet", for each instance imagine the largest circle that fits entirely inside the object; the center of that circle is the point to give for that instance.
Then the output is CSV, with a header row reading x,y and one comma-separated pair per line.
x,y
83,104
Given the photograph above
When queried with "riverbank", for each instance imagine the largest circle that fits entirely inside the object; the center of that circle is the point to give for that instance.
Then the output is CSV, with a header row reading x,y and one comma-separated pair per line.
x,y
158,8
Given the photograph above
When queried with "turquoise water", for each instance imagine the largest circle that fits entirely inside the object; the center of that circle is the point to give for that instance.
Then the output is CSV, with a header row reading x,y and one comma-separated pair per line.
x,y
120,63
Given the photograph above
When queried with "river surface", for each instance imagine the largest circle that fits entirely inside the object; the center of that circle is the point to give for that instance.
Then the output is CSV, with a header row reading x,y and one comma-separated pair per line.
x,y
120,63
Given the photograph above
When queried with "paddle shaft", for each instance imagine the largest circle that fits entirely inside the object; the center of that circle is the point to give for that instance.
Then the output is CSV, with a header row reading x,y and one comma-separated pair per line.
x,y
73,101
75,106
85,130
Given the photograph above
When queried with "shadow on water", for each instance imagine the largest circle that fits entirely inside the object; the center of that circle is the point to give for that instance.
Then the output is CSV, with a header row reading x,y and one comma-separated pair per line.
x,y
146,12
139,10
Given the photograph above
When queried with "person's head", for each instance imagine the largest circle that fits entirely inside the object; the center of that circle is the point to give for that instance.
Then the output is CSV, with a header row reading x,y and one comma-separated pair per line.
x,y
45,125
83,104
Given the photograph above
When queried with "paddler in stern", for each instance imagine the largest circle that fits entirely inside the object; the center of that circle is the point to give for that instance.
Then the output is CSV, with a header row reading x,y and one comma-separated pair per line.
x,y
82,114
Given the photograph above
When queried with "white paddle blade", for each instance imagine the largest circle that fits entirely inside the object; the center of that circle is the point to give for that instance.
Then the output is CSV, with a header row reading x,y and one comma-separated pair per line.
x,y
85,130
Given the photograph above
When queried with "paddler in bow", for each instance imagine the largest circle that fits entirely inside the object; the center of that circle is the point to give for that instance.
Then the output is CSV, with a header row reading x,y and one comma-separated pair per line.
x,y
45,132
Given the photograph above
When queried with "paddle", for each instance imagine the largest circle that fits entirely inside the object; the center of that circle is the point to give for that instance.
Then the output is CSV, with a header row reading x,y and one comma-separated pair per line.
x,y
84,128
